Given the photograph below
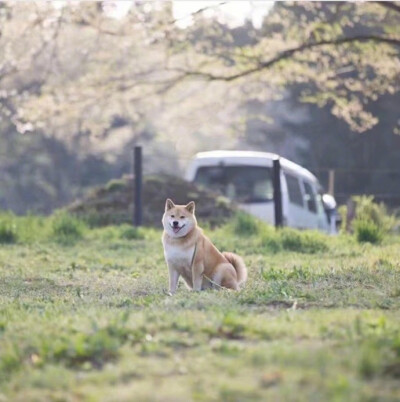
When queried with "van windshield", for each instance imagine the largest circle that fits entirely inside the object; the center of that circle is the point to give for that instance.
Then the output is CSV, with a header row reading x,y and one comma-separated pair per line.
x,y
243,184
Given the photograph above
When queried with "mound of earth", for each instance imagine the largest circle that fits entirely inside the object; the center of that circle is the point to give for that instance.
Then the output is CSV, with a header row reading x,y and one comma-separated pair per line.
x,y
113,203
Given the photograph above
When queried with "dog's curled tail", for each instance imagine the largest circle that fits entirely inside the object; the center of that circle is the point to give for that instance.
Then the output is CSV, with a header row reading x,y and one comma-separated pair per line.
x,y
238,264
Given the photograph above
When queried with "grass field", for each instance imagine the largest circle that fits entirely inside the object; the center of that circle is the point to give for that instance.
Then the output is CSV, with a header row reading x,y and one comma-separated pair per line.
x,y
85,318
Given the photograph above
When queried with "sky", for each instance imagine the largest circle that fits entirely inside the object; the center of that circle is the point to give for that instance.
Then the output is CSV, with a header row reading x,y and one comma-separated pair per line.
x,y
233,13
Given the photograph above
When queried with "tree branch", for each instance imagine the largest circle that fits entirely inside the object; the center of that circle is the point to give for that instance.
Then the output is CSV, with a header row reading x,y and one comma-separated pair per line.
x,y
199,11
286,54
391,5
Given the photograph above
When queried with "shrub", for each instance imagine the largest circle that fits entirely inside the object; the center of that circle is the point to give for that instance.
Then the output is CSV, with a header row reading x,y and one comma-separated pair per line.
x,y
32,228
67,228
367,231
130,232
368,210
8,229
270,240
342,211
116,185
271,243
245,225
293,240
303,242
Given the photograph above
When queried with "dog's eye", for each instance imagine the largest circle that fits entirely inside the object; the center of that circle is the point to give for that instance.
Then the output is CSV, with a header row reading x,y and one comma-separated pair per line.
x,y
182,217
172,216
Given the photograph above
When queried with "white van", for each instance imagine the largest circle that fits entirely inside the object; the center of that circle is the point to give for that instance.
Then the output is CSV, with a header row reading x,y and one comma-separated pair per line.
x,y
246,178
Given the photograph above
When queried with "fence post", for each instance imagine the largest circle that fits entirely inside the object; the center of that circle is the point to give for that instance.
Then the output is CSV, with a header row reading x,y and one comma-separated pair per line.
x,y
137,177
331,185
276,175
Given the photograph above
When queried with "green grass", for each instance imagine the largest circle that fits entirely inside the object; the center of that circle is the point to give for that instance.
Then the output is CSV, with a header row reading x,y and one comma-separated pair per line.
x,y
88,320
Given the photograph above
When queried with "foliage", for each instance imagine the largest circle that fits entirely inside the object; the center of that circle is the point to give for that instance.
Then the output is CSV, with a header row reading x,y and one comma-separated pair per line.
x,y
8,229
130,232
245,225
367,231
304,242
44,95
271,241
344,224
368,210
371,222
66,228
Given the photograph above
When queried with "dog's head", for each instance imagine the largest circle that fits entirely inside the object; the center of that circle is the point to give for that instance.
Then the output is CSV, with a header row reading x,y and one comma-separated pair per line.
x,y
178,220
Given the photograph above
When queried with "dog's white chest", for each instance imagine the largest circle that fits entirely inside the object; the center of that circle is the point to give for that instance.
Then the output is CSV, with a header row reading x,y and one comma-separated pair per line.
x,y
176,255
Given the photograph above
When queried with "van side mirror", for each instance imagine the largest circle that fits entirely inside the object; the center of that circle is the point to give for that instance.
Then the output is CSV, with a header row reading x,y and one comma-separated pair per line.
x,y
329,202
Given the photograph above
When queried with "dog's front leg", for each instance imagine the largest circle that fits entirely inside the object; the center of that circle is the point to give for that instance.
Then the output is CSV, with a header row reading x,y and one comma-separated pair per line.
x,y
197,276
173,279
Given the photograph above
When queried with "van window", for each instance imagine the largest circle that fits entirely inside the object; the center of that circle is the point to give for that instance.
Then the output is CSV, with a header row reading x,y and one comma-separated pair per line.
x,y
310,198
295,194
241,183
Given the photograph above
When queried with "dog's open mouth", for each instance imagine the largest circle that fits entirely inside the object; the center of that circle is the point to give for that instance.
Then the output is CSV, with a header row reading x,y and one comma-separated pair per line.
x,y
176,229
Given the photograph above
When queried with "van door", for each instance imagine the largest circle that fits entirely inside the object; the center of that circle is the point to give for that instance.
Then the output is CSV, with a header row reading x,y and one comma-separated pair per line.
x,y
311,207
296,212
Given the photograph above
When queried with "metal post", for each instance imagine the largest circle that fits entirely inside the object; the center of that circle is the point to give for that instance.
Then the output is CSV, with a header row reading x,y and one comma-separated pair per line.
x,y
137,177
331,182
276,175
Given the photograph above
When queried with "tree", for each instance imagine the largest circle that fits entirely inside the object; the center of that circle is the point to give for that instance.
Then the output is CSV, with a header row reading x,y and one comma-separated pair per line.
x,y
344,54
80,85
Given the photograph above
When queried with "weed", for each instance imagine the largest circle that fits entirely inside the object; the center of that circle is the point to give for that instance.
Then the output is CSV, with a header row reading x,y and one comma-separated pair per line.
x,y
303,242
367,231
270,240
76,349
116,185
8,229
368,210
130,232
67,229
371,218
245,225
10,361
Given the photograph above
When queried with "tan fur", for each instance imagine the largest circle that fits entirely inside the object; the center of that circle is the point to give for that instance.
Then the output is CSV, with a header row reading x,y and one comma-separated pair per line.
x,y
210,268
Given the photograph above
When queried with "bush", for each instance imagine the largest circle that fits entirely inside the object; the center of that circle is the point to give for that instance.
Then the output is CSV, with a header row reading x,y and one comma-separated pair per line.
x,y
291,239
270,239
246,225
8,229
370,213
271,243
67,228
303,242
130,232
33,228
368,210
367,231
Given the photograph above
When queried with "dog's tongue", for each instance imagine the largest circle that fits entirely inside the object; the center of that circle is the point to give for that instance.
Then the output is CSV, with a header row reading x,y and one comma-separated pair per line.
x,y
176,229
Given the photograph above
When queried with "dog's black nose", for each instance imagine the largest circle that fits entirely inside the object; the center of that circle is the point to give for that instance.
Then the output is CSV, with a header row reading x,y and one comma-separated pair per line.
x,y
175,223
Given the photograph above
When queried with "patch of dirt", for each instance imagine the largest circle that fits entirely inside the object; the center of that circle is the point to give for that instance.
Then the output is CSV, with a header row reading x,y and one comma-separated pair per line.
x,y
113,202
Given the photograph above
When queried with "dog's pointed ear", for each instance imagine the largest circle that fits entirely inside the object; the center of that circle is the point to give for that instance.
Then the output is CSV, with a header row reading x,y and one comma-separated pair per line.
x,y
190,207
169,204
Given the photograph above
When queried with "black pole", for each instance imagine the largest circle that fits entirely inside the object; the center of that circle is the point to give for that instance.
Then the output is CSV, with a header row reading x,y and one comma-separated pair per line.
x,y
277,193
137,177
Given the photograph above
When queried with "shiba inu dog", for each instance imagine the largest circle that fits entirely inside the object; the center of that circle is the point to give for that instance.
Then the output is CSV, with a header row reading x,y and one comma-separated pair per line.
x,y
190,254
